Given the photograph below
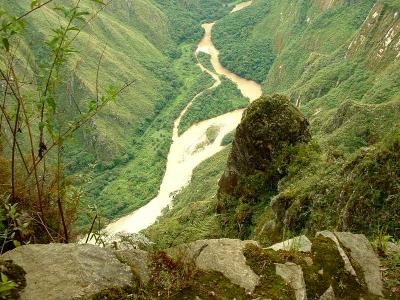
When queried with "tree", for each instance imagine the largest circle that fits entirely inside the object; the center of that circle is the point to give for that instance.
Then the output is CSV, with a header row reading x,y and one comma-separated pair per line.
x,y
34,127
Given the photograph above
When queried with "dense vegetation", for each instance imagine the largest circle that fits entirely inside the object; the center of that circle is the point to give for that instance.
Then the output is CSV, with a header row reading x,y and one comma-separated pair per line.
x,y
241,51
342,70
117,161
205,60
212,103
352,188
131,184
283,35
134,177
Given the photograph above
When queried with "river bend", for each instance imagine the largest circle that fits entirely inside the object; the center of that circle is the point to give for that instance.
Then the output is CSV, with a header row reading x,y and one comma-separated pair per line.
x,y
187,150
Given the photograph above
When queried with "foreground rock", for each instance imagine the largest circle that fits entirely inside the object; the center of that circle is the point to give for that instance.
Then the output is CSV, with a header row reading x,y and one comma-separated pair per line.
x,y
360,250
293,276
300,243
221,255
332,265
59,271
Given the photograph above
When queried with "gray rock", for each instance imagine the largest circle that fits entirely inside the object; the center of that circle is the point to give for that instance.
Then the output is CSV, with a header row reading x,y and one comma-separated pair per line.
x,y
60,271
221,255
293,276
347,264
300,243
138,260
392,249
362,253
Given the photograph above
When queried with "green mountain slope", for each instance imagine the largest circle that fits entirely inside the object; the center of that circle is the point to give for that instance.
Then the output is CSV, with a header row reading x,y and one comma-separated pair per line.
x,y
339,62
134,178
119,158
124,59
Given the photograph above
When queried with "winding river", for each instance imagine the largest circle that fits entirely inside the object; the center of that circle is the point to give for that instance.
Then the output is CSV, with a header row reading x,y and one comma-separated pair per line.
x,y
187,150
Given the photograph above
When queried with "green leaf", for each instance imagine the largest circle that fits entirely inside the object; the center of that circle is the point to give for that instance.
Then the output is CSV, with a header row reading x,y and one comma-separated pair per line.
x,y
4,278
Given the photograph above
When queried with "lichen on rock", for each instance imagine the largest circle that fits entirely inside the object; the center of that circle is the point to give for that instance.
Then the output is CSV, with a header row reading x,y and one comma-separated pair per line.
x,y
65,271
205,269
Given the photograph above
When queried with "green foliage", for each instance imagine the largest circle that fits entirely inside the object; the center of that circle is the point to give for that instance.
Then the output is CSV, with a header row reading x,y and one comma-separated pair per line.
x,y
12,280
17,227
274,39
212,103
187,15
128,185
249,56
205,60
349,188
6,286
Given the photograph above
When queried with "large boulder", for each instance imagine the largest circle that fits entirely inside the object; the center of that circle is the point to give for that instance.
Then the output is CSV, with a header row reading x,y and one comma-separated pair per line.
x,y
293,276
268,127
221,255
66,271
362,253
359,258
339,265
263,147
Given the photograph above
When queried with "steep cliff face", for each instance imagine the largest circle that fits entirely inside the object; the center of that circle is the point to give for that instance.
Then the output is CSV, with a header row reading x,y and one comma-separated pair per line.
x,y
294,31
265,141
379,37
268,129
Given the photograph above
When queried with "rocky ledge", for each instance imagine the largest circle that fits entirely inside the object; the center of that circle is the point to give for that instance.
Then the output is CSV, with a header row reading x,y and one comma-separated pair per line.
x,y
331,265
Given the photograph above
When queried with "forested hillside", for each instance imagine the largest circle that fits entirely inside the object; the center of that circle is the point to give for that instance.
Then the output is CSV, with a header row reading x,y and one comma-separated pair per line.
x,y
134,178
338,62
119,159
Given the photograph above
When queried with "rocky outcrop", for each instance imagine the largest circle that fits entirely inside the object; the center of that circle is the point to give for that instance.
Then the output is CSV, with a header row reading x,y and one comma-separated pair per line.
x,y
269,126
265,140
59,271
361,252
333,265
293,276
221,255
300,243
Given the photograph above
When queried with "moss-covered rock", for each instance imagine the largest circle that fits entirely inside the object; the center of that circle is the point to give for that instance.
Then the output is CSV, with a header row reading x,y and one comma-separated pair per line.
x,y
65,271
269,127
265,141
218,269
